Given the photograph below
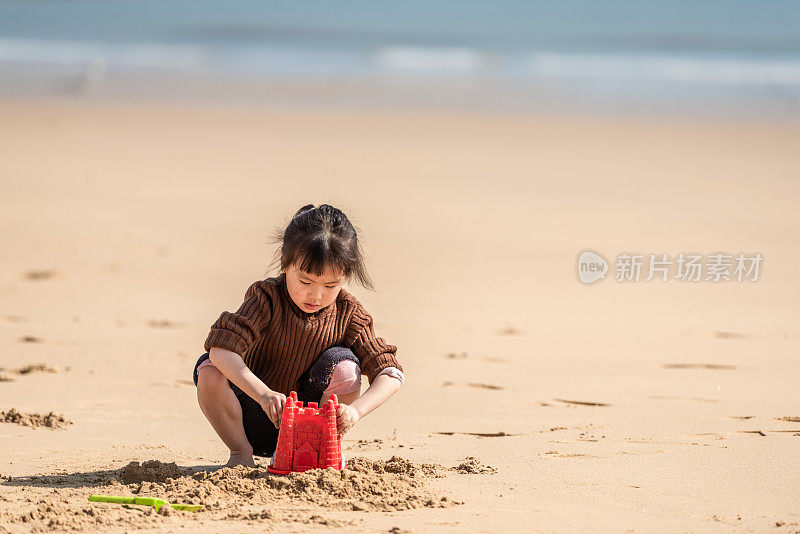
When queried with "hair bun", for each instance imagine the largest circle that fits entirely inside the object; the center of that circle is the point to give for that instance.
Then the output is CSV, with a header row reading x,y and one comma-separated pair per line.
x,y
307,207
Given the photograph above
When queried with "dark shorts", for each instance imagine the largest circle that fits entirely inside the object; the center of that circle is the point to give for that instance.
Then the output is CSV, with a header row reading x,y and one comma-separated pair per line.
x,y
260,431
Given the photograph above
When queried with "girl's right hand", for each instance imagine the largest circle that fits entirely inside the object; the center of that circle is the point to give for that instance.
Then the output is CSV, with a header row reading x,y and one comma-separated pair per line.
x,y
272,403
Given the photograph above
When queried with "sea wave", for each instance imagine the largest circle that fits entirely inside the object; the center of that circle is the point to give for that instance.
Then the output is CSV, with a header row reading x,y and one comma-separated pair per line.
x,y
686,68
716,70
454,62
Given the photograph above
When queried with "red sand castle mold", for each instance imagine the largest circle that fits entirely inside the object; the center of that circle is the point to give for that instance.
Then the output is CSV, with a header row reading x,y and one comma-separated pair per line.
x,y
307,438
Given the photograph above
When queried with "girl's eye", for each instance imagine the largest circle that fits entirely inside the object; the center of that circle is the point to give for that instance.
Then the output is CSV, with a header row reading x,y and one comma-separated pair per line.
x,y
309,283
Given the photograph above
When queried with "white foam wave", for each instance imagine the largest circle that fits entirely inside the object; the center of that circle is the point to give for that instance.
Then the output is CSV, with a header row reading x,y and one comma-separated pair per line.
x,y
733,71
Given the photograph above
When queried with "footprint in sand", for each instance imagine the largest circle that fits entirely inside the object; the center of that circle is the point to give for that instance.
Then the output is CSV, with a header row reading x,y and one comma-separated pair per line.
x,y
32,368
30,339
788,419
730,335
475,385
163,323
694,399
485,386
556,454
464,354
714,435
478,434
582,403
37,368
113,267
43,274
493,359
712,366
15,318
508,331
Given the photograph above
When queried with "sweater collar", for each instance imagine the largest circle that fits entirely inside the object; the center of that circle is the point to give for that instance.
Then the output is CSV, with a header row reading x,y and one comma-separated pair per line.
x,y
297,309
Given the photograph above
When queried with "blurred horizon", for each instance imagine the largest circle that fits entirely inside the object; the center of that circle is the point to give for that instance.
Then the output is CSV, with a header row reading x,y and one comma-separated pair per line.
x,y
706,57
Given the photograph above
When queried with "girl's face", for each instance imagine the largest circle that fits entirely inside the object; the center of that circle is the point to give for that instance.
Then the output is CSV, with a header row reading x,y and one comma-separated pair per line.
x,y
312,293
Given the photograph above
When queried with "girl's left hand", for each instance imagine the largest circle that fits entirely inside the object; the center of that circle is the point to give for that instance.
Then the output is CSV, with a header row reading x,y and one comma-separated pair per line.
x,y
346,417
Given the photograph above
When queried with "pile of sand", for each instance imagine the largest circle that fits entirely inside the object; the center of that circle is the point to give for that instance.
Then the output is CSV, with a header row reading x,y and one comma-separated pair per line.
x,y
382,485
240,493
50,420
62,514
396,465
150,471
472,465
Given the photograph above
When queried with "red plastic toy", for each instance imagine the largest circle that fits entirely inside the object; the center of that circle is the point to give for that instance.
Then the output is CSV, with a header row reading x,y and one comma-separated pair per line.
x,y
307,438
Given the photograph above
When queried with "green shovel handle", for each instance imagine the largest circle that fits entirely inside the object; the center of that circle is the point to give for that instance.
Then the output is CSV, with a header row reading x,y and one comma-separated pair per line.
x,y
111,498
142,501
145,501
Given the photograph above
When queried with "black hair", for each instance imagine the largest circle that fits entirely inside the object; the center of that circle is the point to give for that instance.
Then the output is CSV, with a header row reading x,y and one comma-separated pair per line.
x,y
317,237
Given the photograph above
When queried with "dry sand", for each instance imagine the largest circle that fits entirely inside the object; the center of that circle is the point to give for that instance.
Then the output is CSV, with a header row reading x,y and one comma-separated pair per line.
x,y
537,403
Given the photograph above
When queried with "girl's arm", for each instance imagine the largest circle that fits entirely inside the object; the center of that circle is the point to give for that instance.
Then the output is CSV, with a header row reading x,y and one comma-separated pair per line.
x,y
232,366
383,387
376,394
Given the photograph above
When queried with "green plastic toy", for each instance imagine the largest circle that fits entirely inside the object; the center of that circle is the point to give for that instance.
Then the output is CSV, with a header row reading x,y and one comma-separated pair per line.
x,y
145,501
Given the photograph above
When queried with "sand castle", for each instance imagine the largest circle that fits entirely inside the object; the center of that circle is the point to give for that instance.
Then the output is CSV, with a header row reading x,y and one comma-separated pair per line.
x,y
308,438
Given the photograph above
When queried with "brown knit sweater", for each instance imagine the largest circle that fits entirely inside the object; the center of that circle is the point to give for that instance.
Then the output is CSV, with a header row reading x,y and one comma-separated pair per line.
x,y
278,341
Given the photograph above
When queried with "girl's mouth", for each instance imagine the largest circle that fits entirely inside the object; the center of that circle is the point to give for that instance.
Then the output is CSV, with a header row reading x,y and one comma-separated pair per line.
x,y
311,306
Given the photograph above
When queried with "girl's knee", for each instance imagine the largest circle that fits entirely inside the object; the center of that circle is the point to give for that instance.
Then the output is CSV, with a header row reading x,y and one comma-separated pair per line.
x,y
329,359
210,380
346,378
336,369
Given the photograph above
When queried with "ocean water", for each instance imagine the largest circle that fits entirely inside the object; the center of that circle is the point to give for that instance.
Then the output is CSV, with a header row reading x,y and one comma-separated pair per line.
x,y
698,56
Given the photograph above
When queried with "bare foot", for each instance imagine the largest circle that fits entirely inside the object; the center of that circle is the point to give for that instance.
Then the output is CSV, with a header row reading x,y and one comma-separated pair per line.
x,y
241,459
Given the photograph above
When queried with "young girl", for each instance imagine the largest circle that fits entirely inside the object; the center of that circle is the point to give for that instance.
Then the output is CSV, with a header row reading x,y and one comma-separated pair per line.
x,y
299,331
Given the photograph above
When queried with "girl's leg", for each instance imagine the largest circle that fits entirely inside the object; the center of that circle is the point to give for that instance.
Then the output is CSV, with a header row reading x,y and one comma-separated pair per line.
x,y
219,404
345,383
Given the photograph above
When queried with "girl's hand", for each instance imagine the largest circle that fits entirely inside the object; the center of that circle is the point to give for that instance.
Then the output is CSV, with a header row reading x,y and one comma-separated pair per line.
x,y
272,403
346,417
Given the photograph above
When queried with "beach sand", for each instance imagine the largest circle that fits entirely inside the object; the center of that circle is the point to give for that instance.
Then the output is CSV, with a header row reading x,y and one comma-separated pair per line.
x,y
533,402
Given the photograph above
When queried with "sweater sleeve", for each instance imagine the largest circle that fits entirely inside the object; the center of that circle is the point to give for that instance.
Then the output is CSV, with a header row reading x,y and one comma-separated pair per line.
x,y
238,331
373,352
